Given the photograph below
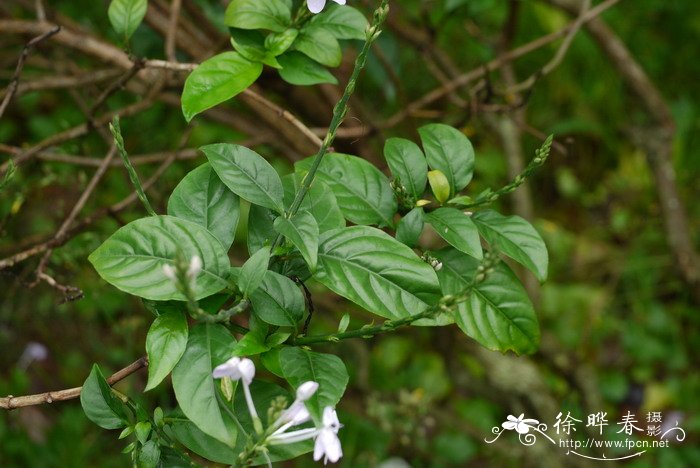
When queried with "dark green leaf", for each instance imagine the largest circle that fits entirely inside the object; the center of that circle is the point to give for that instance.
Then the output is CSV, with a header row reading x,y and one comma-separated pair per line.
x,y
253,271
319,201
247,174
216,80
100,405
251,45
319,45
343,22
254,14
408,164
195,389
278,301
302,231
150,454
202,198
278,43
498,313
165,344
516,238
126,15
143,430
450,151
375,271
410,227
300,70
457,229
300,365
260,228
132,258
363,192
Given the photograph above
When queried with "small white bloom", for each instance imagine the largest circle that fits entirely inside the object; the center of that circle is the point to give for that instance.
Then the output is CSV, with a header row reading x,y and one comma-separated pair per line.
x,y
438,266
236,369
522,426
306,390
195,267
327,443
316,6
169,272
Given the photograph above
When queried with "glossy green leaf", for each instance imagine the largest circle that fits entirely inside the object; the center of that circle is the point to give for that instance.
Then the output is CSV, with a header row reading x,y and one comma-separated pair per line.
x,y
278,43
260,228
253,271
300,70
208,346
126,15
319,45
253,342
202,198
251,45
254,14
516,238
362,191
301,365
439,185
149,455
320,201
246,174
450,151
408,164
216,80
278,300
143,430
189,435
302,231
498,314
132,258
375,271
343,22
165,344
457,229
410,227
100,405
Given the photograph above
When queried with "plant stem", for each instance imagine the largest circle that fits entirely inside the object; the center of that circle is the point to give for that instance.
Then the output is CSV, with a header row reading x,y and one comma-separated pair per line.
x,y
339,112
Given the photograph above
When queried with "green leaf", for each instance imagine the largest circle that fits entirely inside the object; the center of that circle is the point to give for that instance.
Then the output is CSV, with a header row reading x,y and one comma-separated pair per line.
x,y
300,70
251,45
300,365
189,435
410,227
202,198
100,405
343,22
344,322
254,14
126,15
278,301
319,201
132,258
247,174
278,43
260,228
516,238
319,45
150,455
498,313
364,194
375,271
216,80
165,344
11,168
208,345
271,361
457,229
253,342
408,164
450,151
439,185
302,230
253,271
143,430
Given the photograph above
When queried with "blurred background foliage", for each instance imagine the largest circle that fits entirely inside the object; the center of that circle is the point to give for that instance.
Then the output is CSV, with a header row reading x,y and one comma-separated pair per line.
x,y
619,325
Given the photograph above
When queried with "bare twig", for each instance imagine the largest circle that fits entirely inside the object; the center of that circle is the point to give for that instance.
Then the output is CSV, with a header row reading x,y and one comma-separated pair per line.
x,y
11,402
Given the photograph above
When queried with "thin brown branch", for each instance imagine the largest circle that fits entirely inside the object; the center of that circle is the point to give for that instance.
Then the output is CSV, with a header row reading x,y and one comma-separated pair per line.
x,y
11,402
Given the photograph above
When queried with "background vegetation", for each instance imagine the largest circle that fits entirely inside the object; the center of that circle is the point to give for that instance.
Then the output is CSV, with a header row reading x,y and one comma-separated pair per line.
x,y
619,313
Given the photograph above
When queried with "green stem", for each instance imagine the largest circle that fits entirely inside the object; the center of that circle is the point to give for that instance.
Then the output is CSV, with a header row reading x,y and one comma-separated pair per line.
x,y
339,112
119,142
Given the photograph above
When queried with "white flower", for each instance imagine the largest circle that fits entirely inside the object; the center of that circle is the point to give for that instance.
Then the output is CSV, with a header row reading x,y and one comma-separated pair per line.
x,y
169,272
327,444
195,267
306,390
236,369
522,426
297,413
316,6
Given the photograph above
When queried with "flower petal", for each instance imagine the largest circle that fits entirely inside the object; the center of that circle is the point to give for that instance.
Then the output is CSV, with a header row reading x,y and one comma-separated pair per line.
x,y
509,425
522,428
316,6
306,390
340,2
